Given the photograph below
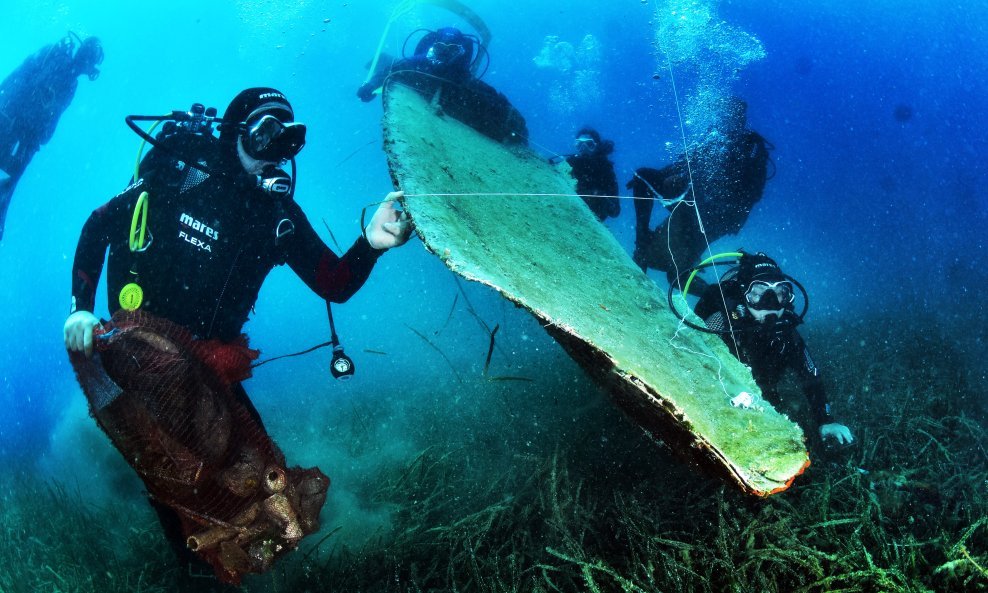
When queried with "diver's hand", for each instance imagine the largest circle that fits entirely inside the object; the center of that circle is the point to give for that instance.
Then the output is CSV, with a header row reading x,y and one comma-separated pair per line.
x,y
838,432
78,332
389,226
366,92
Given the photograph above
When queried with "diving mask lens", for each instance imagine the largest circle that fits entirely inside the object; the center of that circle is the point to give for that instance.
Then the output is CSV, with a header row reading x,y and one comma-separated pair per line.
x,y
268,139
585,145
770,294
444,53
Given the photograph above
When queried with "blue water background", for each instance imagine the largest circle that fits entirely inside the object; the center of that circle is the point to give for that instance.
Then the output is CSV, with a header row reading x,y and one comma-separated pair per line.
x,y
873,214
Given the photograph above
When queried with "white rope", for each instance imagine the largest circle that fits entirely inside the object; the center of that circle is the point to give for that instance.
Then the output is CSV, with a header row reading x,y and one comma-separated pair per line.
x,y
522,195
691,189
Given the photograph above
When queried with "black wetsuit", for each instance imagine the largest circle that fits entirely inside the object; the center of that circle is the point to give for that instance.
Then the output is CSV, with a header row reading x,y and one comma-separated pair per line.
x,y
461,96
212,243
32,99
729,176
594,174
769,351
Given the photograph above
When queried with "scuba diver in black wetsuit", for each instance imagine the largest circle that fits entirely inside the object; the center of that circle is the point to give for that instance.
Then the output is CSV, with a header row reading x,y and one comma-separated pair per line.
x,y
447,54
32,100
594,173
222,217
726,176
215,236
752,310
445,61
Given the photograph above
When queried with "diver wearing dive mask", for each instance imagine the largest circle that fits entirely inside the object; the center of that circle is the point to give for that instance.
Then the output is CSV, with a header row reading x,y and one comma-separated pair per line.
x,y
593,170
752,309
188,275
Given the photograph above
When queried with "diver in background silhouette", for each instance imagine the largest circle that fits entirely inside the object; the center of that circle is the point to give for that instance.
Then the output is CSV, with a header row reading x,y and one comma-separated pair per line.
x,y
726,176
594,173
442,66
752,311
32,99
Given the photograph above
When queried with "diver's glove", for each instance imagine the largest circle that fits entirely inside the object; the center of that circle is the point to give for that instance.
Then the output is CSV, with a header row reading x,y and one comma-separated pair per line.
x,y
389,227
366,92
839,432
78,332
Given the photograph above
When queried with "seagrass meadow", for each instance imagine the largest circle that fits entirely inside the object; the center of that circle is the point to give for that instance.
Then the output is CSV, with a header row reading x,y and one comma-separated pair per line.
x,y
487,505
472,451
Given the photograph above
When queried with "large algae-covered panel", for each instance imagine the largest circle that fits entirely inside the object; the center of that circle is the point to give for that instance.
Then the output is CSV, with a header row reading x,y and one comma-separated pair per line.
x,y
529,238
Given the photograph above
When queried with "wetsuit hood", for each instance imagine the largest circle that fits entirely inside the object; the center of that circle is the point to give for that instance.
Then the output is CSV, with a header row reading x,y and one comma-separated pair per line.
x,y
252,104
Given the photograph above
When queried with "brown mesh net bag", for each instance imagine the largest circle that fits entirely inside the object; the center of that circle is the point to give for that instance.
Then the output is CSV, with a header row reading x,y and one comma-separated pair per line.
x,y
165,400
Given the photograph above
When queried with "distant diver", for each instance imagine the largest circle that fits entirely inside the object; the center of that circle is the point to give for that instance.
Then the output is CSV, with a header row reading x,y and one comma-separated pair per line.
x,y
752,308
596,181
902,113
443,66
725,175
32,99
164,376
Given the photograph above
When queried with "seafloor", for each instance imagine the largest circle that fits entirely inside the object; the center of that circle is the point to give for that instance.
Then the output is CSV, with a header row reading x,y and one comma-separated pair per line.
x,y
487,506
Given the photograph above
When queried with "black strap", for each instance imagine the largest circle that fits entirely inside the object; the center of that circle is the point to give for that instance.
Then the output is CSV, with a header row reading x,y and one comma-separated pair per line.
x,y
314,348
334,341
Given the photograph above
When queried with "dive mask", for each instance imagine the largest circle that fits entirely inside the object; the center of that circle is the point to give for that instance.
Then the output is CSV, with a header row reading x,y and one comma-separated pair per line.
x,y
444,53
268,139
769,295
585,145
